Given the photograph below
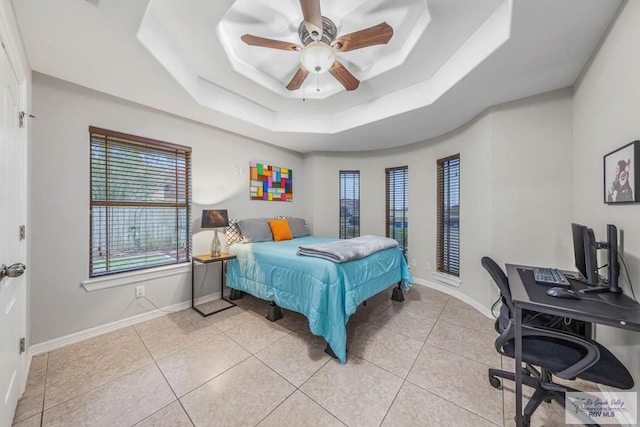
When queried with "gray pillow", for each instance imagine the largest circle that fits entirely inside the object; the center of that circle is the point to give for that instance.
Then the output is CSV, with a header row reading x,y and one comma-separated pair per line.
x,y
298,227
255,230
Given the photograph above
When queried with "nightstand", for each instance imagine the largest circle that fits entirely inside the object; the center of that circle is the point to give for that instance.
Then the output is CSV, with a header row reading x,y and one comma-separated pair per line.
x,y
207,259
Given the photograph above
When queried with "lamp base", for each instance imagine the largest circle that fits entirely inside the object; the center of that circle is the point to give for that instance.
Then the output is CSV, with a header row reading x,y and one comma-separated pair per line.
x,y
216,248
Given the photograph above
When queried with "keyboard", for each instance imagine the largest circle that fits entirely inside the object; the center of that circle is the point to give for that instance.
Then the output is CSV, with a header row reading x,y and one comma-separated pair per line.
x,y
550,276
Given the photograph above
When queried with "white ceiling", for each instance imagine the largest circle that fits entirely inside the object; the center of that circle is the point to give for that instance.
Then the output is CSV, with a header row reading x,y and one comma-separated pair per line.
x,y
447,61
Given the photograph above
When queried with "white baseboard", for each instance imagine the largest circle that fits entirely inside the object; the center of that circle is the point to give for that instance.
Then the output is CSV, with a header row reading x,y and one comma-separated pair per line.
x,y
76,337
456,294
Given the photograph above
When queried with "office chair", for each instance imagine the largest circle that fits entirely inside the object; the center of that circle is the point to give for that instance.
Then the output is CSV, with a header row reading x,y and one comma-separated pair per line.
x,y
560,353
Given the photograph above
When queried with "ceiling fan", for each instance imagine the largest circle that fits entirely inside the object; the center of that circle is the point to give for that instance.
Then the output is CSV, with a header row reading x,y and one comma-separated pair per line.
x,y
319,45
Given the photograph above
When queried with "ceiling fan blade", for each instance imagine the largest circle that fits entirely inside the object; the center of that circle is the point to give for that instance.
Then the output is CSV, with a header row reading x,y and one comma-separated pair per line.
x,y
298,79
344,76
274,44
378,34
312,16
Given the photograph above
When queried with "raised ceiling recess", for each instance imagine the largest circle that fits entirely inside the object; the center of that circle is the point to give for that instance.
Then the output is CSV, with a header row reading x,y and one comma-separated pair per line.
x,y
319,46
422,60
445,63
274,71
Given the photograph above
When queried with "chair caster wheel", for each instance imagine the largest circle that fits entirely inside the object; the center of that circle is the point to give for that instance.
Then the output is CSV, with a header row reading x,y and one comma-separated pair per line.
x,y
495,383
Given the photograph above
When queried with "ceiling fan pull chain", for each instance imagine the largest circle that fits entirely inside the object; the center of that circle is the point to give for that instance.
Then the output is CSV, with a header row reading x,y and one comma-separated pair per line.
x,y
318,83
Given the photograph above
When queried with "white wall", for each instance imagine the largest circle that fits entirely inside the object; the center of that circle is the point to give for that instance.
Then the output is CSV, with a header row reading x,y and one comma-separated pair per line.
x,y
60,202
531,203
605,117
510,157
547,147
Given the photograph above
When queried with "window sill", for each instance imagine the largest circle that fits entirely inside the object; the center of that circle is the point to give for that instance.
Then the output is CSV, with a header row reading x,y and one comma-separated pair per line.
x,y
447,278
128,278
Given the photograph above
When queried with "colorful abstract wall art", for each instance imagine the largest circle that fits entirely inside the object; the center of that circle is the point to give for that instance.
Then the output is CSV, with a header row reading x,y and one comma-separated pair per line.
x,y
270,183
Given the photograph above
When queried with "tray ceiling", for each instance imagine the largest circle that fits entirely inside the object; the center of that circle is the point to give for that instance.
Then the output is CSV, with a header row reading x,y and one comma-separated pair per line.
x,y
448,61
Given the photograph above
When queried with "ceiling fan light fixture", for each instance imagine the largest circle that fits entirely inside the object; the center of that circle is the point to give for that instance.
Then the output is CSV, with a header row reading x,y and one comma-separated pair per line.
x,y
317,57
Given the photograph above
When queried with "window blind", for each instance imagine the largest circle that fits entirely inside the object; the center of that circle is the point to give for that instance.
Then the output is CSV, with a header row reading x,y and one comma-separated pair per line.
x,y
397,205
448,246
139,204
349,204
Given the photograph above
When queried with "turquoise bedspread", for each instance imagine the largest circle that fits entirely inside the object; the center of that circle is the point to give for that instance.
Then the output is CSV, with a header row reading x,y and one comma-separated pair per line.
x,y
325,292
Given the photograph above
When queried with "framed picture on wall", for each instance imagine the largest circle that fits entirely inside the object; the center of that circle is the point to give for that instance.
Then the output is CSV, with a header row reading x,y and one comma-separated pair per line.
x,y
622,174
273,183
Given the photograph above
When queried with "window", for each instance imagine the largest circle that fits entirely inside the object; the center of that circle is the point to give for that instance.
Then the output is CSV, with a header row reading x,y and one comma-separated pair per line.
x,y
140,203
349,204
397,205
448,249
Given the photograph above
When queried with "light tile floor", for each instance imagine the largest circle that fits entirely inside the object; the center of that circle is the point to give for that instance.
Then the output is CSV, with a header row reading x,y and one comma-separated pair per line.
x,y
422,362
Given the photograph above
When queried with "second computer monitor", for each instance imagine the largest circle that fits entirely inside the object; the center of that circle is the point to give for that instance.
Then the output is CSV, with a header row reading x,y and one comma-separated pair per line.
x,y
585,249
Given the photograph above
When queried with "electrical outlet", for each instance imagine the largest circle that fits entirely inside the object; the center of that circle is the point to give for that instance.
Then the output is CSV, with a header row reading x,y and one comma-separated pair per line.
x,y
428,266
139,291
413,262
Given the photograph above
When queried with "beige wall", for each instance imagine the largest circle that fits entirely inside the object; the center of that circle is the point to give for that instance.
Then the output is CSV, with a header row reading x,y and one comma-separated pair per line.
x,y
512,157
531,182
605,117
546,149
59,199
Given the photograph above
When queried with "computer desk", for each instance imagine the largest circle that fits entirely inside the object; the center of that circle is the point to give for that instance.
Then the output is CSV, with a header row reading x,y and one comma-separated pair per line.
x,y
615,310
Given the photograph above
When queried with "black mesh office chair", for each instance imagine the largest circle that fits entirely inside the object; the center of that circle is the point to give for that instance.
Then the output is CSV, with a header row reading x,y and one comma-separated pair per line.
x,y
560,353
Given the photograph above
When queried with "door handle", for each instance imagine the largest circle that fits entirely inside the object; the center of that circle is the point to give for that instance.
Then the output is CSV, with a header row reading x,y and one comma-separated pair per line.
x,y
14,270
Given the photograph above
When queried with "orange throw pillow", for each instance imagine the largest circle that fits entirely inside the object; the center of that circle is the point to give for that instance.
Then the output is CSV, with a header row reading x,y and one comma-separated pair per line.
x,y
280,229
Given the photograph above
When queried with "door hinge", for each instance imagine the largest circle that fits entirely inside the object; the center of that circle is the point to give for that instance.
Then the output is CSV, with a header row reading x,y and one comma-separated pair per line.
x,y
23,232
22,345
22,115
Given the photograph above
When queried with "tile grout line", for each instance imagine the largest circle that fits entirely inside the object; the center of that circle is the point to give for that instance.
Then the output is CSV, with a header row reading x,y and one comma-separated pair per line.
x,y
405,380
430,391
165,379
369,323
433,392
99,385
178,398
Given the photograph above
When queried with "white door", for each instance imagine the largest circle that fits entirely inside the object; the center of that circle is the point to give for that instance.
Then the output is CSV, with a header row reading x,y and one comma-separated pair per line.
x,y
12,246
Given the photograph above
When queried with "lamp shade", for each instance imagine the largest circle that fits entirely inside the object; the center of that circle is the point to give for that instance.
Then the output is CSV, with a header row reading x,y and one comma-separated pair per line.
x,y
317,57
215,218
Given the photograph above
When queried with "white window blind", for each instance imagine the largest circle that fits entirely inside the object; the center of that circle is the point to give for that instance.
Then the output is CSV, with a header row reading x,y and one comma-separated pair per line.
x,y
140,203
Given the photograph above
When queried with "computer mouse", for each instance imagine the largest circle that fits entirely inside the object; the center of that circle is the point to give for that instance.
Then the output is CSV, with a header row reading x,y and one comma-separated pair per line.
x,y
562,293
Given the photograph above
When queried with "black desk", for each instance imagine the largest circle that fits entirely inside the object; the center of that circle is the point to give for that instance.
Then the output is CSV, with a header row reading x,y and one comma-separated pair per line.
x,y
615,310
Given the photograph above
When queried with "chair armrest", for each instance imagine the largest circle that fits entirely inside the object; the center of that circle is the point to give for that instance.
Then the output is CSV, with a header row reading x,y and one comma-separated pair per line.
x,y
590,359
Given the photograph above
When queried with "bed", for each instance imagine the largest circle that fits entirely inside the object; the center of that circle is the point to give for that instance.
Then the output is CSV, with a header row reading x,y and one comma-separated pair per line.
x,y
327,293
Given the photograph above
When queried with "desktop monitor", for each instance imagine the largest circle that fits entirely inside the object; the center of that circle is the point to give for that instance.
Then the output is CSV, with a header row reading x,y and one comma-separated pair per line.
x,y
585,253
612,258
585,248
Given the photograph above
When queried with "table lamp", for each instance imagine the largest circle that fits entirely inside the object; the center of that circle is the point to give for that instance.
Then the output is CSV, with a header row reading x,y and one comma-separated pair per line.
x,y
215,218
